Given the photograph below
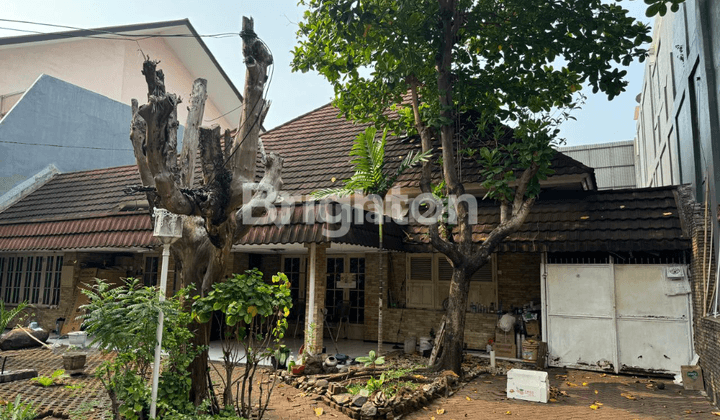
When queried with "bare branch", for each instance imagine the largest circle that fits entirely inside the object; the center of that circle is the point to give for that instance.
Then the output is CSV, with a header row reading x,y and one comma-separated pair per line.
x,y
196,109
270,184
138,129
257,60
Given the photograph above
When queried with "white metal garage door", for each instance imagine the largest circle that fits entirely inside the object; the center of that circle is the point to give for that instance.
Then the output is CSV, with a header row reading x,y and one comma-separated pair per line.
x,y
617,317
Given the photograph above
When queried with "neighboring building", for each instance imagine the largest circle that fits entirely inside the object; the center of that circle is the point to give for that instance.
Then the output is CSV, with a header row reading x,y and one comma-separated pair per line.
x,y
65,97
614,163
678,142
578,247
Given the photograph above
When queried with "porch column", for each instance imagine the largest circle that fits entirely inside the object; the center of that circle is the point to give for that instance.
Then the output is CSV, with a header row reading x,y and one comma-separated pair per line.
x,y
316,285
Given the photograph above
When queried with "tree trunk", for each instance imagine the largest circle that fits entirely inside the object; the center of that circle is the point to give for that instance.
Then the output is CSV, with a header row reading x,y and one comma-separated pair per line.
x,y
199,366
453,341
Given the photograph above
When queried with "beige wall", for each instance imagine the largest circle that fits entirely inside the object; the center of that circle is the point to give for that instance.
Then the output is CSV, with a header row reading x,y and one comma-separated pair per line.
x,y
108,67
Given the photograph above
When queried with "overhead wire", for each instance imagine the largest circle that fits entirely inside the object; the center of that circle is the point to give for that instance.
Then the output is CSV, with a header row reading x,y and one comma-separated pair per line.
x,y
107,32
65,146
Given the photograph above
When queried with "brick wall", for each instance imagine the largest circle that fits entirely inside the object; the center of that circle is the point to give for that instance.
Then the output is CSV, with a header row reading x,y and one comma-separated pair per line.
x,y
399,324
518,279
706,330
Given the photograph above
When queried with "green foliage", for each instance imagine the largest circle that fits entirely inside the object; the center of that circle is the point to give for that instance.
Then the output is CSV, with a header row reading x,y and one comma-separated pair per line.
x,y
6,316
255,314
56,378
660,7
370,176
512,63
17,410
375,384
371,359
124,319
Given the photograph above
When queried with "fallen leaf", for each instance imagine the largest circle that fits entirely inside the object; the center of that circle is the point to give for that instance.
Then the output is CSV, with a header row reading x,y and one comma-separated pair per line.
x,y
440,411
552,400
688,411
426,409
598,403
571,384
488,382
468,398
594,406
604,375
596,392
432,418
507,413
319,411
716,413
561,376
628,396
584,383
564,393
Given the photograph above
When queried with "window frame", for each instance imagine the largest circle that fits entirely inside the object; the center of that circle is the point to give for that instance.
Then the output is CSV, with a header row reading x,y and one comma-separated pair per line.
x,y
32,281
436,284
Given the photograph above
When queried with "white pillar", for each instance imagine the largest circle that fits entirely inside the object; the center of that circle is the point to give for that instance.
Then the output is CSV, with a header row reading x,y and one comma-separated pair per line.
x,y
311,290
161,320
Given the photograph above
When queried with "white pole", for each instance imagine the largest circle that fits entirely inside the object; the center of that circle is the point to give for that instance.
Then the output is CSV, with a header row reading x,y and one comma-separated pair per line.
x,y
311,300
161,320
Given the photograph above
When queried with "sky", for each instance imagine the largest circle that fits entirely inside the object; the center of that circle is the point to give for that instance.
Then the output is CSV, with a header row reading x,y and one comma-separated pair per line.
x,y
292,94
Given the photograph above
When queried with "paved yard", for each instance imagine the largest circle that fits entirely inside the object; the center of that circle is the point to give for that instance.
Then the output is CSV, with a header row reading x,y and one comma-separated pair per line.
x,y
619,397
615,397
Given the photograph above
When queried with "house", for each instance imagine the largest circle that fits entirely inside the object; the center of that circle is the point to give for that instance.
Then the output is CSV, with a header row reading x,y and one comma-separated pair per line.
x,y
65,96
578,257
614,162
678,141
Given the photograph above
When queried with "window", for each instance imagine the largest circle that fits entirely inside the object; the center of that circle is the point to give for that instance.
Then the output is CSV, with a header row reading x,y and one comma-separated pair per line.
x,y
32,278
150,275
428,282
345,288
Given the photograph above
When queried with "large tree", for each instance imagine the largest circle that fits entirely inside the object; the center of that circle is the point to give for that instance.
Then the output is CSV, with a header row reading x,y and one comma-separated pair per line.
x,y
215,205
491,67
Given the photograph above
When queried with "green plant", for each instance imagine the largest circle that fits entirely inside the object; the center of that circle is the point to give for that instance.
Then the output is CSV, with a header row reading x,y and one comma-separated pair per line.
x,y
371,359
56,378
375,384
255,314
82,412
6,316
17,410
124,320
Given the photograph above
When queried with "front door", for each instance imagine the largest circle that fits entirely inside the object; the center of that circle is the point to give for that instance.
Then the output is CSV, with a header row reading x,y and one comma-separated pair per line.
x,y
346,288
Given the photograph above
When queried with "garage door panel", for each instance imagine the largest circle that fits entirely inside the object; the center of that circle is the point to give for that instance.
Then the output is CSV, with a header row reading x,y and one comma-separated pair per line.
x,y
581,342
580,290
653,344
641,292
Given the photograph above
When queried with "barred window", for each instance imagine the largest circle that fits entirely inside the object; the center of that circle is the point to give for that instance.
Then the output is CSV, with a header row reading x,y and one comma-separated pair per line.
x,y
31,278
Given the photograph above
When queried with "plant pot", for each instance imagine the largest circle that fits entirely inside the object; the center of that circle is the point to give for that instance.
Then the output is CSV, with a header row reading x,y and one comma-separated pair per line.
x,y
74,361
298,369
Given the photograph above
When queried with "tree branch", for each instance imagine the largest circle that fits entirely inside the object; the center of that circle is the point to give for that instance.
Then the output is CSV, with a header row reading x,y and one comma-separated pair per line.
x,y
257,60
264,191
522,186
196,109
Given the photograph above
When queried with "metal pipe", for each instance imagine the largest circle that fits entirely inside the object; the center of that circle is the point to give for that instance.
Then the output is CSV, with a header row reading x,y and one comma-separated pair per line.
x,y
159,334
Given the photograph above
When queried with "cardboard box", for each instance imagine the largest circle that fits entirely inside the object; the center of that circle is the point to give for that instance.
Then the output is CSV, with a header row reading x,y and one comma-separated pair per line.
x,y
532,328
692,377
528,385
505,350
504,337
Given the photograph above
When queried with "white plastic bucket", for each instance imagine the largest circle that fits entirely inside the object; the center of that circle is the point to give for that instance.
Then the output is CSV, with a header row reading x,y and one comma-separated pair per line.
x,y
410,343
77,338
425,344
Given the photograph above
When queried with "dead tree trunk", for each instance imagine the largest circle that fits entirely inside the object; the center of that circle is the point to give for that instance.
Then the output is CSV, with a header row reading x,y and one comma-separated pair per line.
x,y
214,210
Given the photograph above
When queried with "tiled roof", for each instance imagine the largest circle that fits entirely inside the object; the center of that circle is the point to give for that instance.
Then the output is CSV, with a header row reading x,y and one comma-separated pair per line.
x,y
316,148
614,220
